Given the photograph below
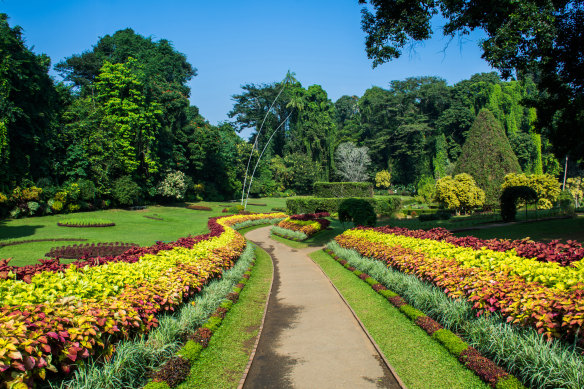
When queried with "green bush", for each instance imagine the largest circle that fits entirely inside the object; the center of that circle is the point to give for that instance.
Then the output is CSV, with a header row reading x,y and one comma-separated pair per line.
x,y
411,312
213,323
343,189
87,190
452,342
509,382
383,205
387,293
358,211
125,191
509,199
156,385
566,202
191,350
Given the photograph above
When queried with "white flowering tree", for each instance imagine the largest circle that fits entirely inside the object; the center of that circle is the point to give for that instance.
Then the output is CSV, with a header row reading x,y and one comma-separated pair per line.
x,y
352,162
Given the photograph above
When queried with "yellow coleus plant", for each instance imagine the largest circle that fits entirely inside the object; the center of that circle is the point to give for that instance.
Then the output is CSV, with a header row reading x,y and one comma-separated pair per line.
x,y
550,274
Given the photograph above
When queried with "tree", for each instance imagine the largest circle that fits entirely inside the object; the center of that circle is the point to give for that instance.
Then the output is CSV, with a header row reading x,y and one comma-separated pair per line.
x,y
352,162
383,179
315,131
130,121
30,104
460,193
426,189
576,186
523,37
487,156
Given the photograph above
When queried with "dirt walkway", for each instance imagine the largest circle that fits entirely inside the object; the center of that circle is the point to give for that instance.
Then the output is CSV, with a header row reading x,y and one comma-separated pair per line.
x,y
310,338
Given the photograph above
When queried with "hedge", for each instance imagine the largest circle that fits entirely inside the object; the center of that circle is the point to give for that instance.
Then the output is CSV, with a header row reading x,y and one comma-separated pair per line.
x,y
383,205
343,189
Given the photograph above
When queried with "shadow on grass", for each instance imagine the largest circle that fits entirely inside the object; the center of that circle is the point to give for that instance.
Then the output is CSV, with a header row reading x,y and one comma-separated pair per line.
x,y
15,232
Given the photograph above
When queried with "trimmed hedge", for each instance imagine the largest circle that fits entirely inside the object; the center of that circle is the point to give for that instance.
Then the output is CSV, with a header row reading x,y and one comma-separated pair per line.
x,y
383,205
343,189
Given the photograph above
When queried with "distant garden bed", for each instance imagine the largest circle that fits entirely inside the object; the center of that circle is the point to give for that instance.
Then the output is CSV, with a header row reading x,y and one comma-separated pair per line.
x,y
81,223
90,250
199,207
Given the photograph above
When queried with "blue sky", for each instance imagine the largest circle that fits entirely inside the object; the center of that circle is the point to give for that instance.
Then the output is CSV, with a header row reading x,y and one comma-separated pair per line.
x,y
232,43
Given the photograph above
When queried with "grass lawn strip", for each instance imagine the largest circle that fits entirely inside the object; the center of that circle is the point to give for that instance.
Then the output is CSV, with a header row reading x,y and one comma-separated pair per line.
x,y
418,360
486,369
523,352
223,362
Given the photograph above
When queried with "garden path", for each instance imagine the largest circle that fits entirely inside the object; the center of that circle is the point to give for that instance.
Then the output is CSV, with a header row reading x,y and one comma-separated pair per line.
x,y
310,337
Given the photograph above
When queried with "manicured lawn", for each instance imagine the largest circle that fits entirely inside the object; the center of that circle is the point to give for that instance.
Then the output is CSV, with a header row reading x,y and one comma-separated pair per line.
x,y
562,229
419,361
221,365
131,227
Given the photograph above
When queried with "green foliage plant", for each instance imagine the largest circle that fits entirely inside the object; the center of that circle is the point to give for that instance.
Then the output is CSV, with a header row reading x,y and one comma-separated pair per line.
x,y
546,187
460,193
509,198
289,234
125,191
426,189
487,156
383,179
358,211
452,342
384,205
566,202
174,186
343,189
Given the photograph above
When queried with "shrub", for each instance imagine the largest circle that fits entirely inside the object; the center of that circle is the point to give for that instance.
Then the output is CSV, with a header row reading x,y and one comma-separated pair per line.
x,y
383,179
174,185
452,342
545,186
87,190
125,191
459,193
384,205
509,199
343,189
358,211
174,371
566,202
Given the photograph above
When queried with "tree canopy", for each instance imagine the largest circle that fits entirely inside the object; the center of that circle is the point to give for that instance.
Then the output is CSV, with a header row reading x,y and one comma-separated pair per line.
x,y
531,37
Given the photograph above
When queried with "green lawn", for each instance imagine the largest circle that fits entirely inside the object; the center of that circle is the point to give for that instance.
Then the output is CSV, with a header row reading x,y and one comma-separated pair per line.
x,y
562,229
131,227
221,365
419,361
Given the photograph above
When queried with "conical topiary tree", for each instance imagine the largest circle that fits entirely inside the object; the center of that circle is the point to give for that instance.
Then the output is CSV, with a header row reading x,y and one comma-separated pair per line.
x,y
487,156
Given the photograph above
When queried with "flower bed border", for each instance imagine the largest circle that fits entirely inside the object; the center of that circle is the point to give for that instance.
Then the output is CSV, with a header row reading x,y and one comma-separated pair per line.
x,y
189,353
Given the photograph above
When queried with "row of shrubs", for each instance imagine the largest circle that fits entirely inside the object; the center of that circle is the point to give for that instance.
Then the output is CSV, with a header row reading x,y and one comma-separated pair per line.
x,y
382,205
45,198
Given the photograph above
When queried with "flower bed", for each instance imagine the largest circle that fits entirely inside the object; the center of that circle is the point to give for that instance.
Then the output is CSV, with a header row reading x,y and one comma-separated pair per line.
x,y
528,292
554,251
81,223
303,226
199,207
52,318
90,250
